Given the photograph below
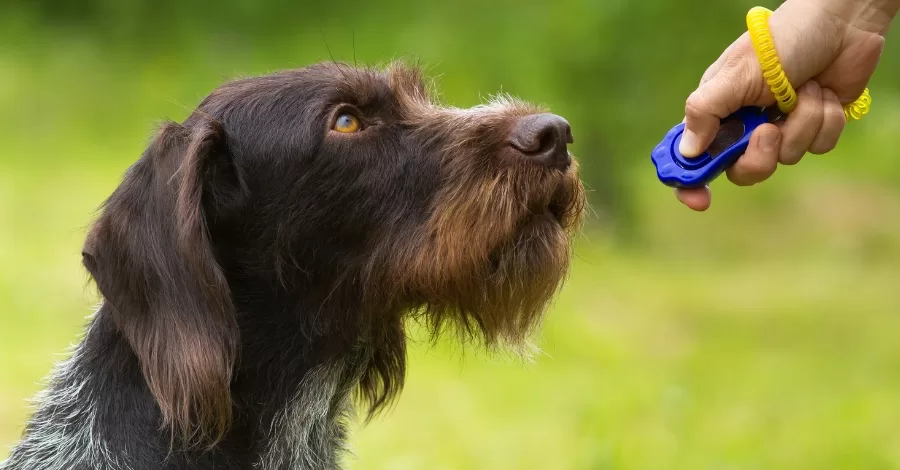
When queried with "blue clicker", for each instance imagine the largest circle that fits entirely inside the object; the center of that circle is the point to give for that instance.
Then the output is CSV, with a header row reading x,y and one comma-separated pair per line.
x,y
677,171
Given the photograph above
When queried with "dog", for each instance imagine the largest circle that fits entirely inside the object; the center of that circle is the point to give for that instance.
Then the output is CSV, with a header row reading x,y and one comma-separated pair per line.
x,y
259,262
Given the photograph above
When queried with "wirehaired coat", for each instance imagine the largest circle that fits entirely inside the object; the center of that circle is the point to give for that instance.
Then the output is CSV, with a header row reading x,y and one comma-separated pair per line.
x,y
258,263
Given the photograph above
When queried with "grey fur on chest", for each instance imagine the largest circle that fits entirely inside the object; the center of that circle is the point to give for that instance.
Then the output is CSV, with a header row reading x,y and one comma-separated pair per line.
x,y
309,433
63,433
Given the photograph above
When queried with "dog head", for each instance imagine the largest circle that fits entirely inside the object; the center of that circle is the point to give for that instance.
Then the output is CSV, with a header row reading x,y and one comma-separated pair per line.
x,y
323,177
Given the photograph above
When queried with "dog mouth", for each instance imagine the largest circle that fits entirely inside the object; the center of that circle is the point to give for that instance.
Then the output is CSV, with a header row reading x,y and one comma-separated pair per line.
x,y
552,209
557,210
556,201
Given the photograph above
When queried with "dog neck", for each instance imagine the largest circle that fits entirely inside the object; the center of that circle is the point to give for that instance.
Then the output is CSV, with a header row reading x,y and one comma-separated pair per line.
x,y
292,393
298,370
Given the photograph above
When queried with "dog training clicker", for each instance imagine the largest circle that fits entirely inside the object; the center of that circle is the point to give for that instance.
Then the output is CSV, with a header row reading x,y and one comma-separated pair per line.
x,y
675,170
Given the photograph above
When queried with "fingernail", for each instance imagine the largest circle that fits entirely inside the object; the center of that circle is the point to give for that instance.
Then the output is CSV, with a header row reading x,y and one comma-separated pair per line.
x,y
768,141
688,145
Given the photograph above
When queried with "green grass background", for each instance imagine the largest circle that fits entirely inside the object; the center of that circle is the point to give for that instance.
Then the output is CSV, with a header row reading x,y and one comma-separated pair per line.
x,y
763,334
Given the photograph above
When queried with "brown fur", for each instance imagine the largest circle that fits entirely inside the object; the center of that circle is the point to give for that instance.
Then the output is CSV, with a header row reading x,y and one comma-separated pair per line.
x,y
252,250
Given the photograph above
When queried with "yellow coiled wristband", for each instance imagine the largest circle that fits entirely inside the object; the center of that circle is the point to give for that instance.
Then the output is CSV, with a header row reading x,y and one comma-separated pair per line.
x,y
785,96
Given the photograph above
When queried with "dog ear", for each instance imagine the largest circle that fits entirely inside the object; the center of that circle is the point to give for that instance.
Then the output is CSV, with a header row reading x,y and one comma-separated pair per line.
x,y
151,258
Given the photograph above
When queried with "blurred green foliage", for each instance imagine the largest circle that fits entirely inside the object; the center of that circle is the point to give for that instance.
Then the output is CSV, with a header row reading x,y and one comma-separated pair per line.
x,y
758,335
620,70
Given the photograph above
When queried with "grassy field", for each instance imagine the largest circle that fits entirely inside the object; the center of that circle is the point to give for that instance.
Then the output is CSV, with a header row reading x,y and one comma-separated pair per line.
x,y
768,342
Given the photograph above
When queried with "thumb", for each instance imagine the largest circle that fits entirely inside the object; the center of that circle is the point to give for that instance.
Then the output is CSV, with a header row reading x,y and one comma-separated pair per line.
x,y
735,84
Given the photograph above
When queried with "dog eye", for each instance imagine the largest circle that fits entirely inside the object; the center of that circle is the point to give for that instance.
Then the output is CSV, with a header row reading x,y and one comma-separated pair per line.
x,y
346,123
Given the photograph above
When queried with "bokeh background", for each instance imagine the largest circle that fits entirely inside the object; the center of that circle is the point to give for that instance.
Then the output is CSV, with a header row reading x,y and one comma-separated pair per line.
x,y
762,334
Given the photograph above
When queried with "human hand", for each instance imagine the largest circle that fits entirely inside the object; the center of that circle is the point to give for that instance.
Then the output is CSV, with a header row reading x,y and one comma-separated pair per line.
x,y
829,49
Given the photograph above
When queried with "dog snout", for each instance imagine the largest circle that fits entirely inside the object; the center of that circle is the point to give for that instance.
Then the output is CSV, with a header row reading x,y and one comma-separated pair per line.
x,y
543,138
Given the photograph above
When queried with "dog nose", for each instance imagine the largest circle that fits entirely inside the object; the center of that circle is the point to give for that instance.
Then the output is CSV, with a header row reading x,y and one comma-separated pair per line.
x,y
543,138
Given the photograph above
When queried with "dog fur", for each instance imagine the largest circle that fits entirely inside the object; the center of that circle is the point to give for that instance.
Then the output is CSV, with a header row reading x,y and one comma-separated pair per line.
x,y
257,269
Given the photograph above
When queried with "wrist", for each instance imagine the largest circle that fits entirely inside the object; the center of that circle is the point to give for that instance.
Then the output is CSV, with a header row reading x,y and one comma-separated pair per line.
x,y
868,15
